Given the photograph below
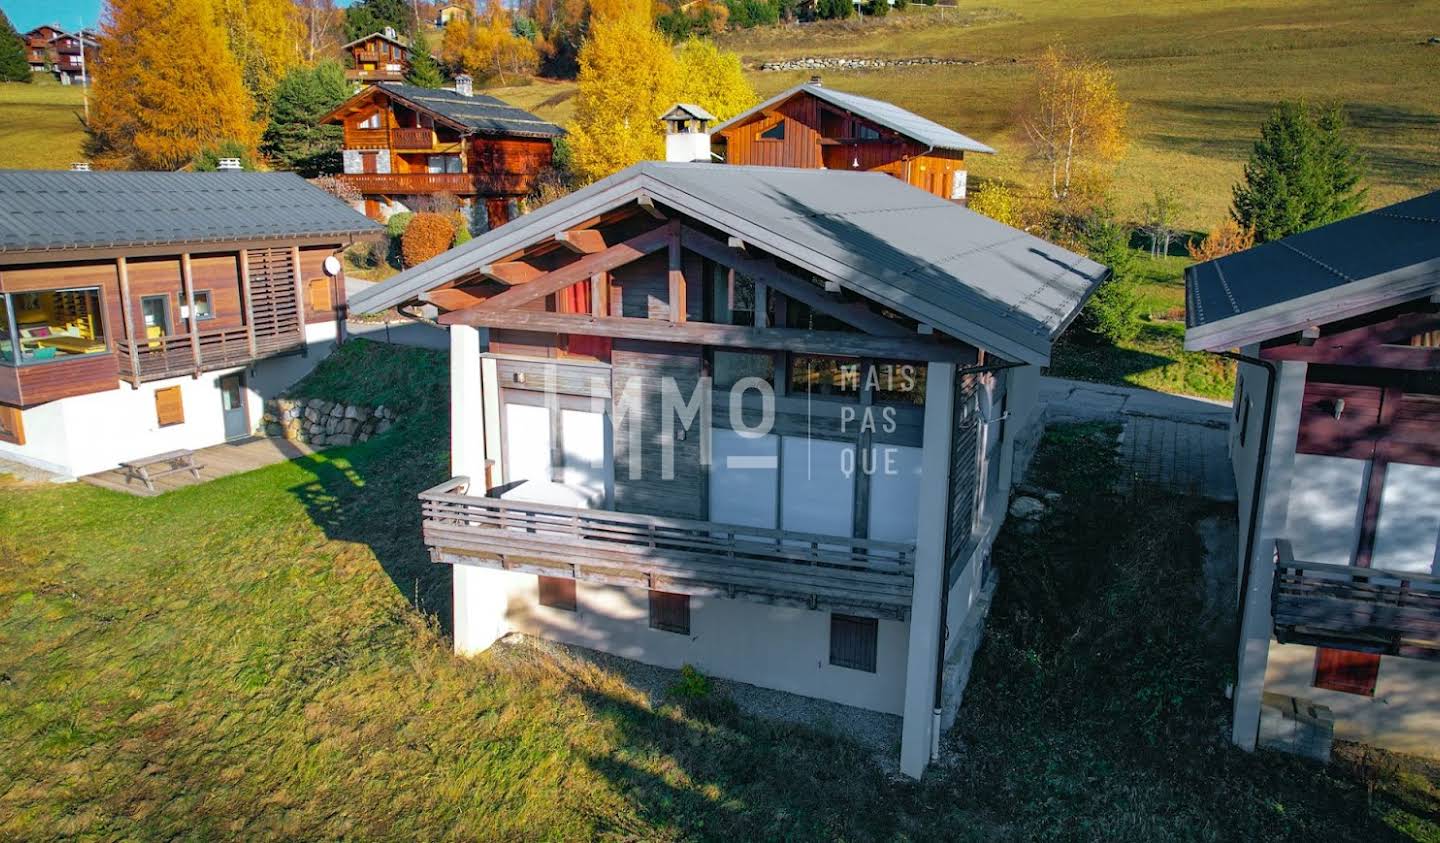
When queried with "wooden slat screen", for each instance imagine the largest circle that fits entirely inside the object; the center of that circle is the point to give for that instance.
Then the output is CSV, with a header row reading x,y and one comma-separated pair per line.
x,y
670,612
557,593
12,426
1346,671
854,642
169,409
272,289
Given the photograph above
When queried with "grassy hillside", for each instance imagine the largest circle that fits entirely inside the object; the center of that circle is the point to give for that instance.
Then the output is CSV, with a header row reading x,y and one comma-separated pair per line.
x,y
41,129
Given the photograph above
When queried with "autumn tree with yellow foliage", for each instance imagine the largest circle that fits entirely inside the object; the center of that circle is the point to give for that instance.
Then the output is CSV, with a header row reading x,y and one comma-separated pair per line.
x,y
165,86
1074,120
630,75
488,47
266,37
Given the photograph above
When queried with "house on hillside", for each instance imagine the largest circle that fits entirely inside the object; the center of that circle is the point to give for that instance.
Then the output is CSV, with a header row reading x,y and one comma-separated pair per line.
x,y
160,309
39,47
815,126
759,420
74,53
377,57
404,145
451,11
1336,449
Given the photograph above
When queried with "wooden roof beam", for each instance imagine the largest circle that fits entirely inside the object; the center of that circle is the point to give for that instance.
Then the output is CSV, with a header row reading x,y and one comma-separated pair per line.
x,y
511,273
584,241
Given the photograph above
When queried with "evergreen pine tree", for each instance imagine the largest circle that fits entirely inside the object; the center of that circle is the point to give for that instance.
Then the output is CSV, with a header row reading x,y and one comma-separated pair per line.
x,y
1302,173
13,65
295,138
424,70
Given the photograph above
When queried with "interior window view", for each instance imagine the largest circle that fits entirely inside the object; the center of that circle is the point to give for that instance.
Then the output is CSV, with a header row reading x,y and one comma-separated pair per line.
x,y
47,325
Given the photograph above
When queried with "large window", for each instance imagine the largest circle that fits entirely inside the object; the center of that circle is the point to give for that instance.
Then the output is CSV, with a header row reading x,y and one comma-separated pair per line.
x,y
48,325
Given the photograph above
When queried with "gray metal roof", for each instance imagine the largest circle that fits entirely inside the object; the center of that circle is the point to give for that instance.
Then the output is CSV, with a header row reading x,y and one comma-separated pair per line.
x,y
1357,265
480,113
399,40
892,116
48,210
994,286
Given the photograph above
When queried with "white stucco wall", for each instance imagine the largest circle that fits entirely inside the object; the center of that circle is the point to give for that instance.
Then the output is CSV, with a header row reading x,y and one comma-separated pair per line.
x,y
787,649
1403,715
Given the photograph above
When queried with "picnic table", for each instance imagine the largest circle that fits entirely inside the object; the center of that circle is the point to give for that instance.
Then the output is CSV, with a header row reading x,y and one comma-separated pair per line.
x,y
174,462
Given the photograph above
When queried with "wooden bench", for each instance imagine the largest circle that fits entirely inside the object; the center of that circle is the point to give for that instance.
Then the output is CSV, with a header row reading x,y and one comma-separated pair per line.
x,y
177,461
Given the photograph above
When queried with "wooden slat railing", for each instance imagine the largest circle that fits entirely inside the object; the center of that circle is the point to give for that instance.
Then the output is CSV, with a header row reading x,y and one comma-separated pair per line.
x,y
1364,609
412,138
402,183
171,355
861,576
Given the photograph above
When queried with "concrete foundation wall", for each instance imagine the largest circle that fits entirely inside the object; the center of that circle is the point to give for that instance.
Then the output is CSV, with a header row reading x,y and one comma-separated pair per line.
x,y
1404,714
786,649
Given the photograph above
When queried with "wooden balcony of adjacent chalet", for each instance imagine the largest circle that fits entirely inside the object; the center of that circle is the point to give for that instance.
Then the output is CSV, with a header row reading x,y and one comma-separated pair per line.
x,y
367,55
1367,610
174,355
460,183
858,576
377,75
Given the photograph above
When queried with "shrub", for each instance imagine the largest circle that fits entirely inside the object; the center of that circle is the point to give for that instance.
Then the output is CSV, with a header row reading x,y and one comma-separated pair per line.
x,y
998,201
692,684
397,223
1227,238
748,13
1113,311
877,8
427,236
462,227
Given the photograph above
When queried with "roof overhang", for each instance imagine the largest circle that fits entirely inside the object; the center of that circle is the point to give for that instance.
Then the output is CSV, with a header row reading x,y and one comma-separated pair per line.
x,y
370,91
382,36
63,254
1355,298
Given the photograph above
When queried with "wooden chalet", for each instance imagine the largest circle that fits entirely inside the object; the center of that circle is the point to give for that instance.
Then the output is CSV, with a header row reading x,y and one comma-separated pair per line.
x,y
815,126
1336,447
153,286
75,53
378,57
759,420
40,47
403,143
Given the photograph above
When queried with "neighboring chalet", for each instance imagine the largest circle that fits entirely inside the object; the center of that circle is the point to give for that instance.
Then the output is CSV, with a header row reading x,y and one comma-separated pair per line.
x,y
1336,448
39,51
404,144
759,420
157,311
66,54
813,126
451,11
378,57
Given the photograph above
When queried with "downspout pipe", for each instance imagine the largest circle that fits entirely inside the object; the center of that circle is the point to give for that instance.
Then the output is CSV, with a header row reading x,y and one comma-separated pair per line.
x,y
1261,454
938,701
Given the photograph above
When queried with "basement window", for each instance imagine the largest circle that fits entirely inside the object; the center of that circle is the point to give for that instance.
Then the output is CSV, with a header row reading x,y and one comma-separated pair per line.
x,y
670,612
558,593
853,642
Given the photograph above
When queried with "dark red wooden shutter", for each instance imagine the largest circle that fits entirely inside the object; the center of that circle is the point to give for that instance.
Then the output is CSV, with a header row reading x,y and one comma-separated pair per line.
x,y
557,593
1346,671
670,612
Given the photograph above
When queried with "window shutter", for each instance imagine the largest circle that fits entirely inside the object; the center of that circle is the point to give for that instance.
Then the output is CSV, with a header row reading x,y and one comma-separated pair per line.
x,y
317,291
1346,671
169,410
557,593
670,612
853,642
12,427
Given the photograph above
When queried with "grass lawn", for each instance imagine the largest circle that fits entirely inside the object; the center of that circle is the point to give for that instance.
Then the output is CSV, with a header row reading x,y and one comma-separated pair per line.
x,y
41,129
259,658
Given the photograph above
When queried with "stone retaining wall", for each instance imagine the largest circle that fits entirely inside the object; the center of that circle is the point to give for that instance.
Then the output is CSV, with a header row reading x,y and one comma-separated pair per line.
x,y
831,63
316,421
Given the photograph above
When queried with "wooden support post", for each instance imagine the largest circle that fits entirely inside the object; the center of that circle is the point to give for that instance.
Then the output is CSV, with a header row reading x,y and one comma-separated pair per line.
x,y
246,303
127,308
188,282
597,294
677,277
299,297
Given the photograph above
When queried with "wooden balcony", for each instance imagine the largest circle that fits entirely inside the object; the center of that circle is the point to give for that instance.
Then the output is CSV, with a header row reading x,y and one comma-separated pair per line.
x,y
173,355
366,138
378,75
412,138
857,576
367,55
399,184
1367,610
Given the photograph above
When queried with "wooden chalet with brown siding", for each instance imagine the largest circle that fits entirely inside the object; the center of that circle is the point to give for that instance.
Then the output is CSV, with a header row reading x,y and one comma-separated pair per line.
x,y
404,144
378,57
814,126
158,290
40,47
1335,443
759,420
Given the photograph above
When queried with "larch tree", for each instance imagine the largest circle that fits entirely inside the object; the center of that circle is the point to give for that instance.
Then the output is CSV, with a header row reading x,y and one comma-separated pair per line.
x,y
324,24
1074,119
627,80
1303,173
488,47
14,67
713,79
266,37
165,87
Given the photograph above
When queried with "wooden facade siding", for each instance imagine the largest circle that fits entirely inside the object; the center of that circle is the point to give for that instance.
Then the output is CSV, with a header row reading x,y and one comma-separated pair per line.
x,y
562,377
668,554
647,365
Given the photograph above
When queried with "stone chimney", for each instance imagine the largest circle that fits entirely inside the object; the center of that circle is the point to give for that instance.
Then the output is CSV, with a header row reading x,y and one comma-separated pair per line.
x,y
390,32
465,85
81,166
229,164
687,133
815,80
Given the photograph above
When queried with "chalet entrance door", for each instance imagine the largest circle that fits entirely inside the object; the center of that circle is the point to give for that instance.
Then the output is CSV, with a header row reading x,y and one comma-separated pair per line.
x,y
232,405
369,162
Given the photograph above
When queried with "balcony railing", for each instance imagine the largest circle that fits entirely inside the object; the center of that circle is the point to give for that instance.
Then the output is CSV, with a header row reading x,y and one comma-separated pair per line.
x,y
859,576
412,138
172,355
462,183
1364,609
